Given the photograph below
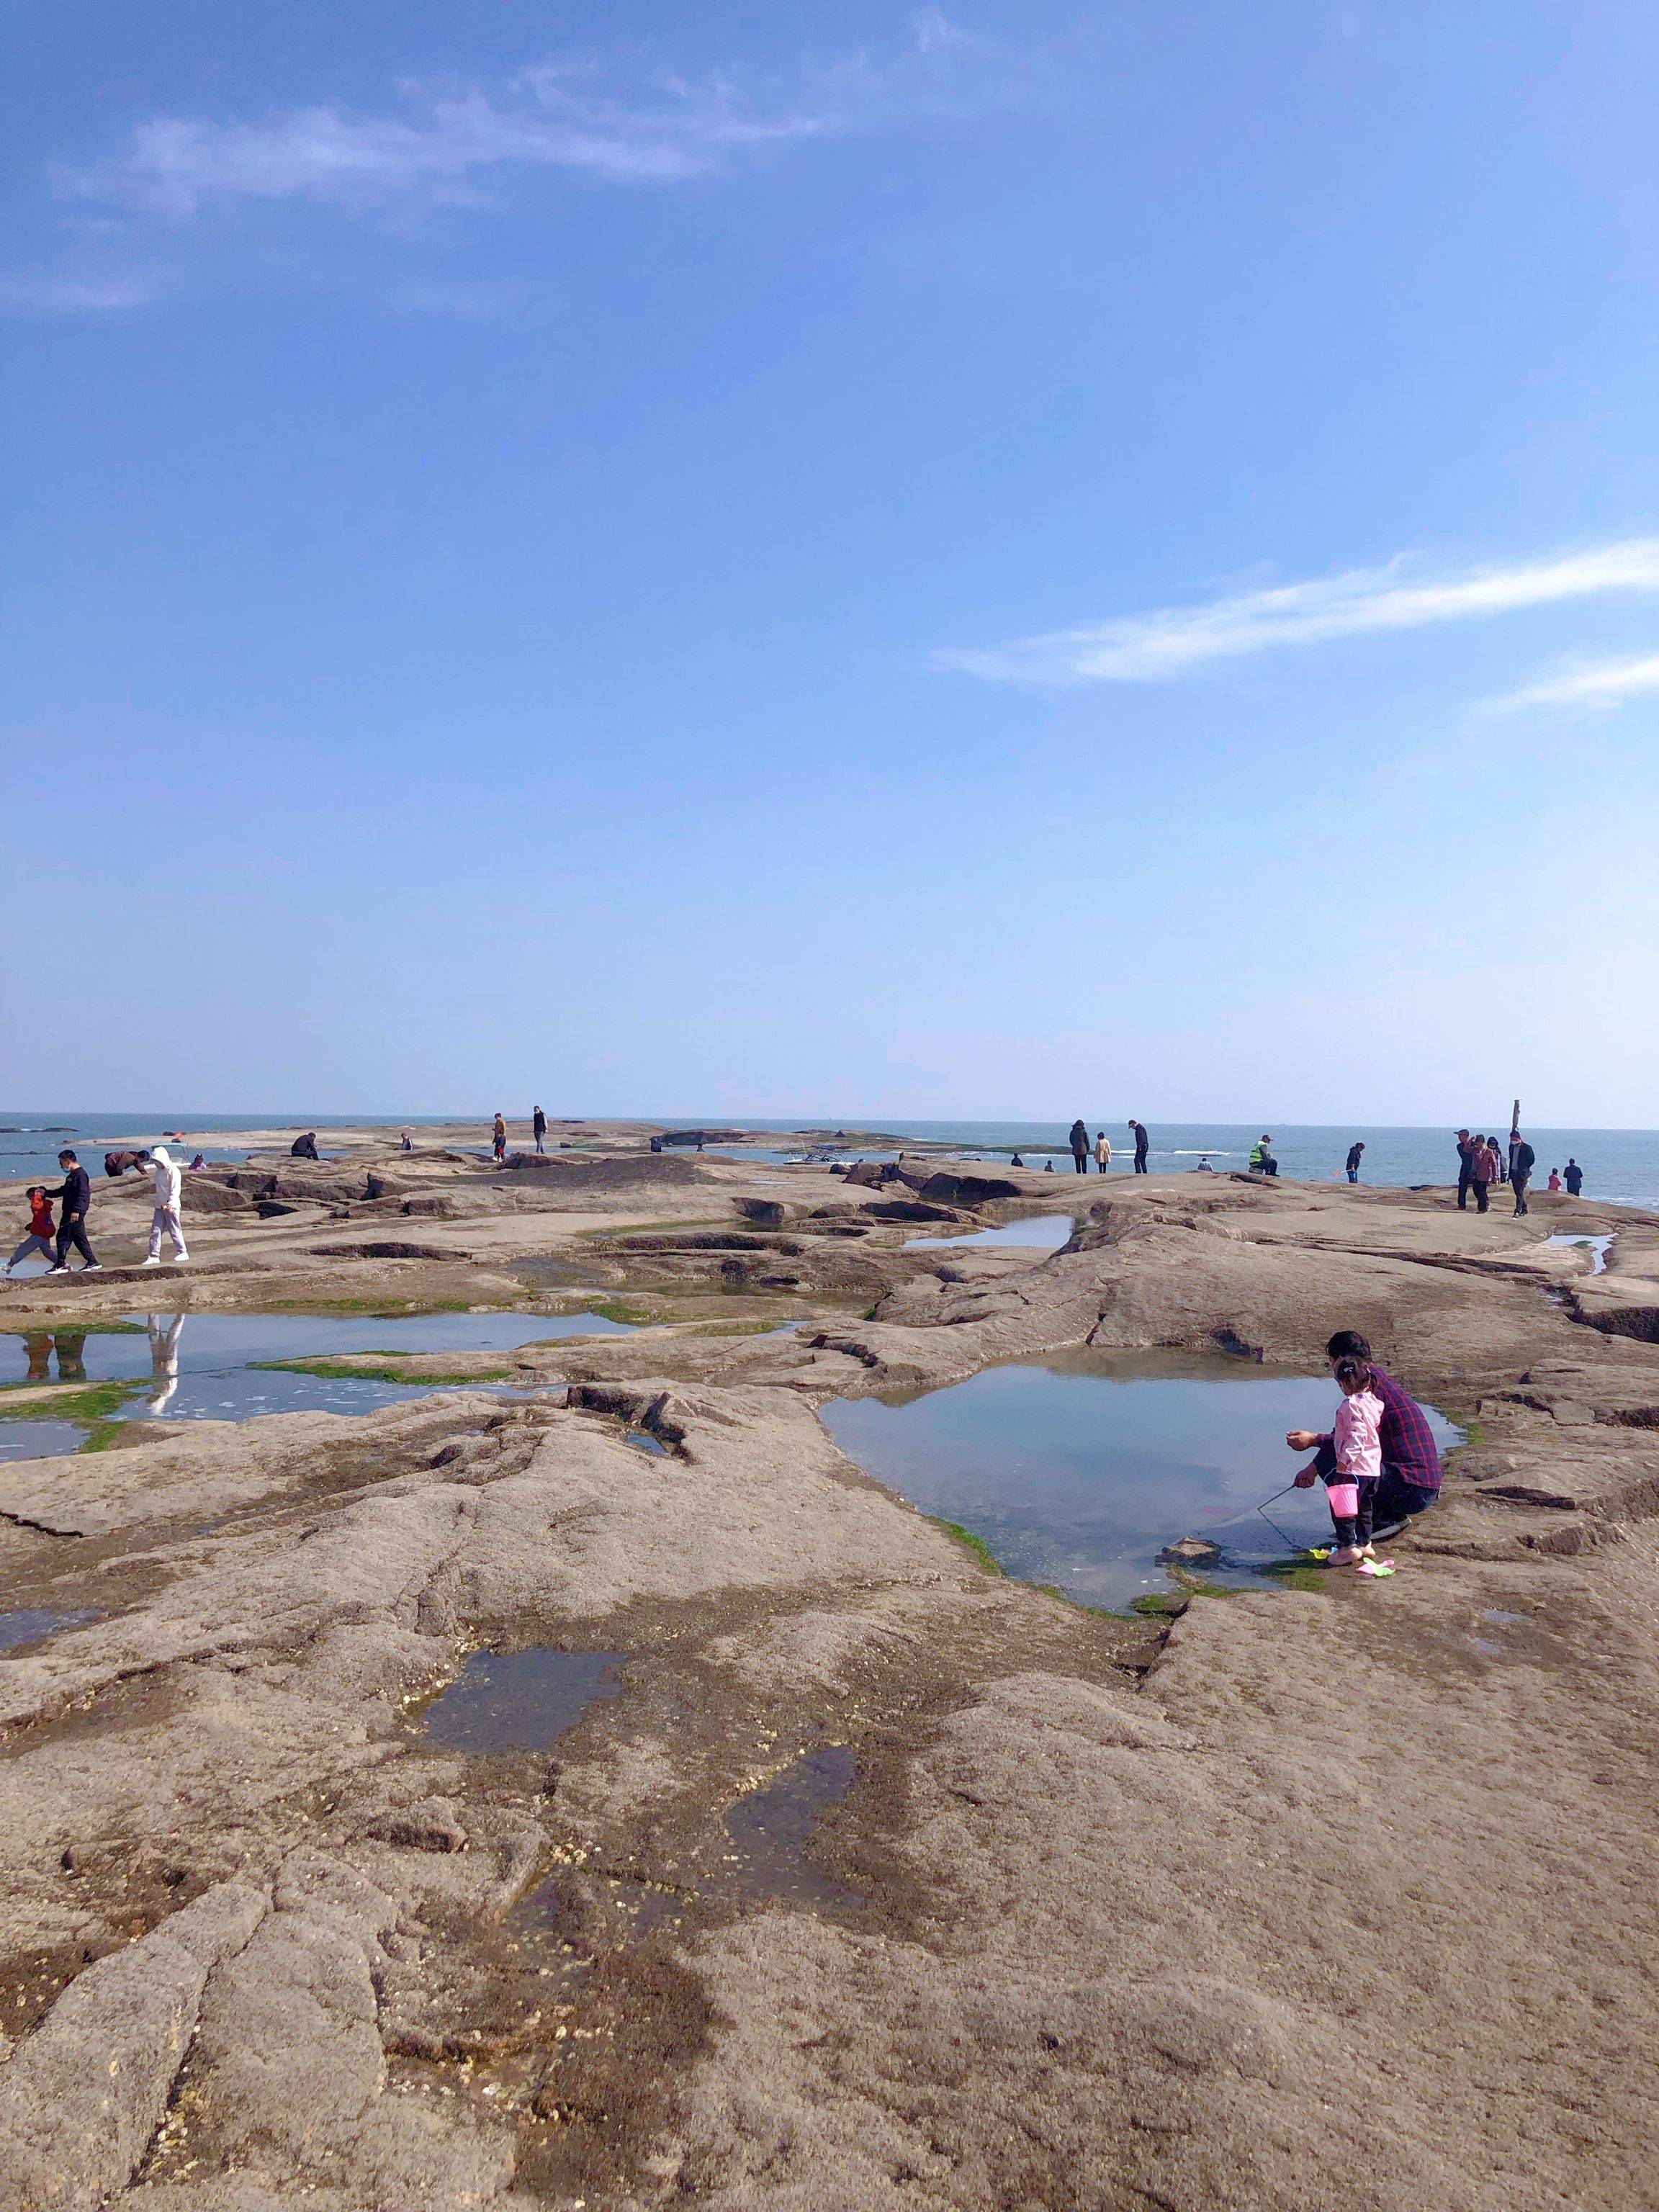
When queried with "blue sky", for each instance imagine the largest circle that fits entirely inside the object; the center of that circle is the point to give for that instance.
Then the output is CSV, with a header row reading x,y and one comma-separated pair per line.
x,y
833,559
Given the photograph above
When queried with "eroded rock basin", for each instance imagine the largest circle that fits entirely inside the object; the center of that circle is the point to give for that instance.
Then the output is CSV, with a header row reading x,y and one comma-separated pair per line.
x,y
221,1366
520,1700
1077,1470
1043,1232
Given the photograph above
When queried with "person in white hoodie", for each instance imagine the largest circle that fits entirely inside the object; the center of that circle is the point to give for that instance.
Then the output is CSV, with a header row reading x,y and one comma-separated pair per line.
x,y
169,1181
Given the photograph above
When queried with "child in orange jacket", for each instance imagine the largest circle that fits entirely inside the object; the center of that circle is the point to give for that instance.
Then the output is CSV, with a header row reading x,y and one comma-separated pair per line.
x,y
41,1230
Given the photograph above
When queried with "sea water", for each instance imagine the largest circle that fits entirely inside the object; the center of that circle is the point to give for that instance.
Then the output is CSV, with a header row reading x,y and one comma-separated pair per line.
x,y
1620,1165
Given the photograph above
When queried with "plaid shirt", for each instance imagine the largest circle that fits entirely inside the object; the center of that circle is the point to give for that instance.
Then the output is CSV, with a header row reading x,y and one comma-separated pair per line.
x,y
1407,1440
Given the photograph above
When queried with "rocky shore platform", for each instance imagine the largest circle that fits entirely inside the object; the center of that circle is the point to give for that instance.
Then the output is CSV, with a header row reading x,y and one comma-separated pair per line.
x,y
1335,1896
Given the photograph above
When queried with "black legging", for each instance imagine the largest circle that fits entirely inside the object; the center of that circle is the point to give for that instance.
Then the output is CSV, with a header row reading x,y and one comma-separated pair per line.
x,y
1395,1500
73,1232
1080,1162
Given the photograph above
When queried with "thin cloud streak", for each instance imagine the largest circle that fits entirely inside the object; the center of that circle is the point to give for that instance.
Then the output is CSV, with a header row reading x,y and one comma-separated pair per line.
x,y
1168,643
1584,683
625,125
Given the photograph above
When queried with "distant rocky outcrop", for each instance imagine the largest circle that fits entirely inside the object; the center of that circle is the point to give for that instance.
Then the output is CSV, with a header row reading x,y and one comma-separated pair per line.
x,y
616,1172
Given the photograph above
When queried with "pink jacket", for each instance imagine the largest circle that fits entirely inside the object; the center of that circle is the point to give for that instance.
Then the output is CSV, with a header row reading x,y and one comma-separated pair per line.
x,y
1355,1433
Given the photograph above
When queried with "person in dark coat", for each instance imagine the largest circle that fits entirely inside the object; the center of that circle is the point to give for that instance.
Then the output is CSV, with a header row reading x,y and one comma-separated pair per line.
x,y
74,1195
1573,1175
1079,1141
1523,1160
538,1126
1354,1152
1465,1169
1142,1140
304,1148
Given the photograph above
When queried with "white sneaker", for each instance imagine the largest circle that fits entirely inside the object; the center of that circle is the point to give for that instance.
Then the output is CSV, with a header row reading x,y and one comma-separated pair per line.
x,y
154,1260
183,1260
57,1271
91,1267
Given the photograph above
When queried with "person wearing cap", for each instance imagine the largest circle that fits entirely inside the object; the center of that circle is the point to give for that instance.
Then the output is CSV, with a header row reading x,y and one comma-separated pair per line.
x,y
1465,1170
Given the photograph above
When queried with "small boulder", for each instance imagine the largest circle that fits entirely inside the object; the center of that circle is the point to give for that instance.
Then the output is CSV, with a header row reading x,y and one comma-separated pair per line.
x,y
1189,1552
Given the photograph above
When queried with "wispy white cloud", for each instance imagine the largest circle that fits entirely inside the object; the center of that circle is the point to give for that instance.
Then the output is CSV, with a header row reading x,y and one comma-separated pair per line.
x,y
1584,683
627,121
56,292
1171,641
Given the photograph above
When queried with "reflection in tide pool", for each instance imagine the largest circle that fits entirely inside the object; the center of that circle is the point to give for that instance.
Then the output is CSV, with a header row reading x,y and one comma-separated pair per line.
x,y
1079,1469
1046,1232
208,1366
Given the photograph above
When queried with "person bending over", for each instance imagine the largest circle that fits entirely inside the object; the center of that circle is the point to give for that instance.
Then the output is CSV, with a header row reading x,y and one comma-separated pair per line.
x,y
1410,1481
1352,1483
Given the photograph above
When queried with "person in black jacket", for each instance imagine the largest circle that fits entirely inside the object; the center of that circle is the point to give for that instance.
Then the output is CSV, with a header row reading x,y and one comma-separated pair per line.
x,y
1141,1142
1354,1154
304,1148
1522,1159
538,1124
1079,1141
74,1195
1465,1169
1573,1175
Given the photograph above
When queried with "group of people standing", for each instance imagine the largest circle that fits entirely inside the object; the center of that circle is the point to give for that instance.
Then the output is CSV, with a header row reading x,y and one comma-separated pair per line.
x,y
1101,1150
539,1127
1481,1162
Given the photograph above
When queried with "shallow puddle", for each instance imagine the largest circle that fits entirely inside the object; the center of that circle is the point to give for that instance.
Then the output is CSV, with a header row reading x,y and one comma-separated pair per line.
x,y
212,1366
1046,1232
28,1625
39,1439
520,1700
1078,1470
772,1827
1595,1246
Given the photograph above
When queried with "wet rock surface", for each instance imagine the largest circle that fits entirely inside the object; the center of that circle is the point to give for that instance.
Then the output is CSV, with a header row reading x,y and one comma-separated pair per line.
x,y
1077,1910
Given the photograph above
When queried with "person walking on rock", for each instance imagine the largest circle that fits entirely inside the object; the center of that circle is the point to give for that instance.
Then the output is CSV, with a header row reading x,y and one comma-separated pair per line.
x,y
38,1238
1079,1141
74,1195
1573,1175
1142,1140
498,1140
539,1123
1102,1153
1354,1154
1523,1160
164,1218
